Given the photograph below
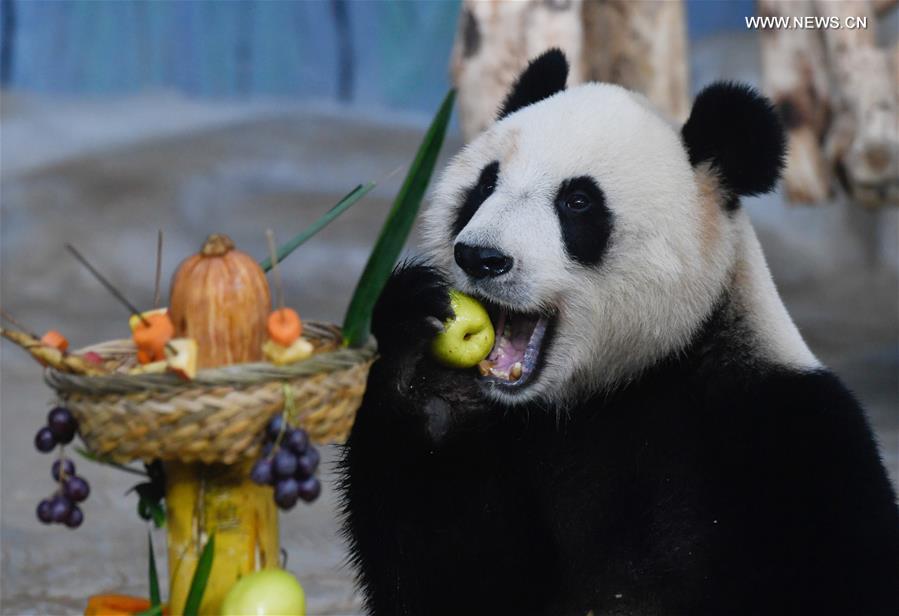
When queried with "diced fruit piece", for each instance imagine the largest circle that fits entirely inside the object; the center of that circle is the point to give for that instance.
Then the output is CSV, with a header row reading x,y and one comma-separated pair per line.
x,y
44,440
182,358
284,326
468,335
56,340
135,320
92,357
153,367
62,425
151,335
281,355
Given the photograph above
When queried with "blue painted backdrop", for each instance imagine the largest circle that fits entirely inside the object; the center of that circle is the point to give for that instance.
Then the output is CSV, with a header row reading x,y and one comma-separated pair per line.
x,y
216,48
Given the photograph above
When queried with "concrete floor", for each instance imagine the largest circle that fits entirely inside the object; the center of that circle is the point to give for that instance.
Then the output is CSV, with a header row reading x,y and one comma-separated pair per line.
x,y
835,265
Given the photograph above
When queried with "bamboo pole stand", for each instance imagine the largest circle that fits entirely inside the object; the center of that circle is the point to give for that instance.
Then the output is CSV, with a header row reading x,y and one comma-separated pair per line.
x,y
221,499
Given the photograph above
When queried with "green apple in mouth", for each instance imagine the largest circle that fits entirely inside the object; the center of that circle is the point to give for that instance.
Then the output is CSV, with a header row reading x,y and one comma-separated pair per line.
x,y
467,336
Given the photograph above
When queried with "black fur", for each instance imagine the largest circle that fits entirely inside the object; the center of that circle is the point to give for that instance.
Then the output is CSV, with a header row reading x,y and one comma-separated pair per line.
x,y
738,131
544,76
476,195
714,484
584,218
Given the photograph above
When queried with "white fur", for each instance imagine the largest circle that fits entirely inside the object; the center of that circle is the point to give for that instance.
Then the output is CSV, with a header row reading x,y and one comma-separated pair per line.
x,y
657,281
775,336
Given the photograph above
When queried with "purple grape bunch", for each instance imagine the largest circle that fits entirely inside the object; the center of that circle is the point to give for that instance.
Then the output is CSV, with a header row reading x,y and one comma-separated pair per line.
x,y
288,464
62,507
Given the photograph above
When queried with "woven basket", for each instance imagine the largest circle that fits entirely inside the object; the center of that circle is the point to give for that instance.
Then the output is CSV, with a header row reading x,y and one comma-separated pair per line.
x,y
218,416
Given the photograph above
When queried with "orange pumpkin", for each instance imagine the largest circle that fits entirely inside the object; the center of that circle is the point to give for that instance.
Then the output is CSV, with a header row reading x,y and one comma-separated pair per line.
x,y
220,298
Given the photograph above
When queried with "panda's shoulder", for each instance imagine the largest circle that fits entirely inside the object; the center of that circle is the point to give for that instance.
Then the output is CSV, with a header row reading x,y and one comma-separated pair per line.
x,y
796,427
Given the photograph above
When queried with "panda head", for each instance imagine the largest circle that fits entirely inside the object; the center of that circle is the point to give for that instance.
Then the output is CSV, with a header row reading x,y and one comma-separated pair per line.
x,y
599,236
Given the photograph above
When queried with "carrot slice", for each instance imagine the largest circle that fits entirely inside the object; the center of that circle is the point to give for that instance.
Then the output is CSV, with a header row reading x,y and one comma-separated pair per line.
x,y
56,340
152,336
115,605
284,326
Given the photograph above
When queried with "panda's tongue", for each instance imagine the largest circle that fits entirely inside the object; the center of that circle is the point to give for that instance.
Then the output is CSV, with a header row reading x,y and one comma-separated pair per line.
x,y
508,358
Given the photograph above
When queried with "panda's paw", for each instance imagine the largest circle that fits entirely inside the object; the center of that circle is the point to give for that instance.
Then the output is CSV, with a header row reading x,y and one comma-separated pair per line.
x,y
411,309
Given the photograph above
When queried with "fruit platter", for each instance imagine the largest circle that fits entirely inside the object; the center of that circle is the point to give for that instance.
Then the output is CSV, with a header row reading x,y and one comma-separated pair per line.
x,y
223,393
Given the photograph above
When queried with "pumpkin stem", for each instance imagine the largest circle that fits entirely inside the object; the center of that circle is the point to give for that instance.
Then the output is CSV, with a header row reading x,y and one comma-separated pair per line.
x,y
216,245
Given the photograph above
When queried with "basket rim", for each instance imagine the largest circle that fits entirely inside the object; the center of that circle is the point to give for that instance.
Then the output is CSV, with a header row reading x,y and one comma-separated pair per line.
x,y
235,375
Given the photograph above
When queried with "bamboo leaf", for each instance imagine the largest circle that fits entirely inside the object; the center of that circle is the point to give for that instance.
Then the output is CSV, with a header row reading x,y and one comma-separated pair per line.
x,y
154,576
156,610
201,577
323,221
357,323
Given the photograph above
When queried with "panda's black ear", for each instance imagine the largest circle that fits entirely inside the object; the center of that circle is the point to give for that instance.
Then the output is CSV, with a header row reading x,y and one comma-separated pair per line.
x,y
544,76
737,130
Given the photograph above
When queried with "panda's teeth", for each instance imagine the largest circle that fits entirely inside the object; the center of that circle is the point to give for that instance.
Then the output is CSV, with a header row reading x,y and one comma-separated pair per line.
x,y
515,372
485,367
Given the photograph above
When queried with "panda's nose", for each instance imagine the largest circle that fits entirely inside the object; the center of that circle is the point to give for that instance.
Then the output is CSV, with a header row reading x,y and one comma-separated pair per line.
x,y
481,261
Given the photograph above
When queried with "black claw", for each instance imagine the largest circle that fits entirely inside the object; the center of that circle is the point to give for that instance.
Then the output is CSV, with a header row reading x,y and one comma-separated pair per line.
x,y
412,308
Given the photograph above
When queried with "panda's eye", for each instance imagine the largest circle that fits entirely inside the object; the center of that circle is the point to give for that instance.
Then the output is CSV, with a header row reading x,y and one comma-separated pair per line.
x,y
488,187
577,201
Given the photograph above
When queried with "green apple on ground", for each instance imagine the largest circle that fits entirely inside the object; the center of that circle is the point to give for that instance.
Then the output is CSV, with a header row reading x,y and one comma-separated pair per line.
x,y
270,592
467,336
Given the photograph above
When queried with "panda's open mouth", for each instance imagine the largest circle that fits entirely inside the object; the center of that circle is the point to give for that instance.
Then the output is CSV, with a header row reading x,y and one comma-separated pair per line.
x,y
518,343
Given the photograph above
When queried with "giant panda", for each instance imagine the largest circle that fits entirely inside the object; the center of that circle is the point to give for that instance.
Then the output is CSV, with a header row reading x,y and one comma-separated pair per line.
x,y
671,445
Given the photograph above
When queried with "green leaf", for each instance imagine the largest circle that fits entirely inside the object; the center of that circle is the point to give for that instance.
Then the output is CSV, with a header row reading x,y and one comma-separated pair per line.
x,y
357,323
154,576
158,513
201,576
323,221
156,610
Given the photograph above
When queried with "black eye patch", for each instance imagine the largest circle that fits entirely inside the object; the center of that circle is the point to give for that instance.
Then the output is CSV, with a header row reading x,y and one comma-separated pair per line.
x,y
585,220
476,195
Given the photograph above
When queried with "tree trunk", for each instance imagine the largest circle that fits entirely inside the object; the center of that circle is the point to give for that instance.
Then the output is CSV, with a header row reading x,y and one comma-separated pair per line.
x,y
641,45
864,142
494,42
794,75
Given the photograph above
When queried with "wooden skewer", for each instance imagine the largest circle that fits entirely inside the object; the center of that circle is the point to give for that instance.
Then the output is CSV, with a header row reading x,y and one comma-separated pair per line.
x,y
115,292
12,320
109,287
279,286
158,270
